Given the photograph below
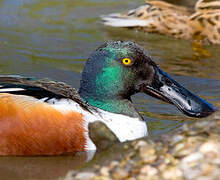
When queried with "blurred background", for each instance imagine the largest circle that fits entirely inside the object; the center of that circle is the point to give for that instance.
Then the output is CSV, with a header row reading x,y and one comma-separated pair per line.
x,y
53,38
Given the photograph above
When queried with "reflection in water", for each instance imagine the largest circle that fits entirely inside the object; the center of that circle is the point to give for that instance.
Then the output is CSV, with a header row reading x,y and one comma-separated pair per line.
x,y
52,39
55,167
40,167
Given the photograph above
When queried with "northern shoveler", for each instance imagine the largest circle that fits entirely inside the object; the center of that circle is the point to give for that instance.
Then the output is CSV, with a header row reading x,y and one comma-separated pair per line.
x,y
43,117
201,24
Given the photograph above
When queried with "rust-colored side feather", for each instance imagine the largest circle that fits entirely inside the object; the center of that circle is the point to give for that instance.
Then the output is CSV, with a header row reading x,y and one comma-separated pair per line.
x,y
30,127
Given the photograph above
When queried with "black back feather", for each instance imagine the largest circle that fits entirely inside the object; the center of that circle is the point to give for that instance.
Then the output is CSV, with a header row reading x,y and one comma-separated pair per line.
x,y
40,88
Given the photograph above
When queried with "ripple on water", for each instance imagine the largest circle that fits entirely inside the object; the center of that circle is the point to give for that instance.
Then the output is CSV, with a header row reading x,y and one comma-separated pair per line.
x,y
52,39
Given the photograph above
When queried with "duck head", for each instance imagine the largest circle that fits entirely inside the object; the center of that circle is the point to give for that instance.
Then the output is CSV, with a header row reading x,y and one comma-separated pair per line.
x,y
117,70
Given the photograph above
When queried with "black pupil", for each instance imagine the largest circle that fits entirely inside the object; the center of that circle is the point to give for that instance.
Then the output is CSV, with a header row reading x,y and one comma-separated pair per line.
x,y
126,61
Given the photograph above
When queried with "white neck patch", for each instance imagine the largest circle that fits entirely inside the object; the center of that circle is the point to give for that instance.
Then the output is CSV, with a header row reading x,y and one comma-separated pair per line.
x,y
124,127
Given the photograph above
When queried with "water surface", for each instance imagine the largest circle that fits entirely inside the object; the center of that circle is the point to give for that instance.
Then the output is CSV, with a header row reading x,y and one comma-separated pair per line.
x,y
53,39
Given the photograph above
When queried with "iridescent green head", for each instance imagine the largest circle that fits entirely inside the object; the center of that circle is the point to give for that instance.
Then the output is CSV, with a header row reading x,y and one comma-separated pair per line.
x,y
117,70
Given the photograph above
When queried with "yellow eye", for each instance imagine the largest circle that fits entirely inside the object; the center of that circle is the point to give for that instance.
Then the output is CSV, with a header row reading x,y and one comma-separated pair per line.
x,y
126,61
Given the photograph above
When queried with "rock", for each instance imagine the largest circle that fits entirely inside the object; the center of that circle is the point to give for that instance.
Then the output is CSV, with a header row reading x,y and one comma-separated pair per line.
x,y
148,154
192,152
148,170
113,164
101,178
210,148
139,144
120,174
190,165
172,173
177,139
192,158
84,176
104,171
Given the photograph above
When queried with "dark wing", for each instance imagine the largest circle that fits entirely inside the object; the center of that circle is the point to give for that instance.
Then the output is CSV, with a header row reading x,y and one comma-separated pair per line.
x,y
38,88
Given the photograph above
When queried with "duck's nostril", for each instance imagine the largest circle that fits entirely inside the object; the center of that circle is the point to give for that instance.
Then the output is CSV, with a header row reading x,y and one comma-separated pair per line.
x,y
189,102
167,81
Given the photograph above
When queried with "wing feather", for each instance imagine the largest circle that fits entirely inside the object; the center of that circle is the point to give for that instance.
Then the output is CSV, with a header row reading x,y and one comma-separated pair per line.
x,y
39,88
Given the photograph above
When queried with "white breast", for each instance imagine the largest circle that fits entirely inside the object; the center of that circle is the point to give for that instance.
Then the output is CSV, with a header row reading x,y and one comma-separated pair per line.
x,y
124,127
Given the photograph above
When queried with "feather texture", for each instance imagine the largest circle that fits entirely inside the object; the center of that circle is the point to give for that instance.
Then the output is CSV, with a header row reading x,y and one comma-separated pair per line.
x,y
201,24
31,127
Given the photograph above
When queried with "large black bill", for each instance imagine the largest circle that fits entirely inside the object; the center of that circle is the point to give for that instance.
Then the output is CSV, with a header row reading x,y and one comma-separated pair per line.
x,y
167,89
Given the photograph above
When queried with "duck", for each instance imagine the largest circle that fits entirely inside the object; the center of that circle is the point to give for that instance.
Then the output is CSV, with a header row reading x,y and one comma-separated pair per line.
x,y
45,117
200,24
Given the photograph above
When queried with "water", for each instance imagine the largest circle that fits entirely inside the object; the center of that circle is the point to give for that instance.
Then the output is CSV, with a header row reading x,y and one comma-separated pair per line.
x,y
44,38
